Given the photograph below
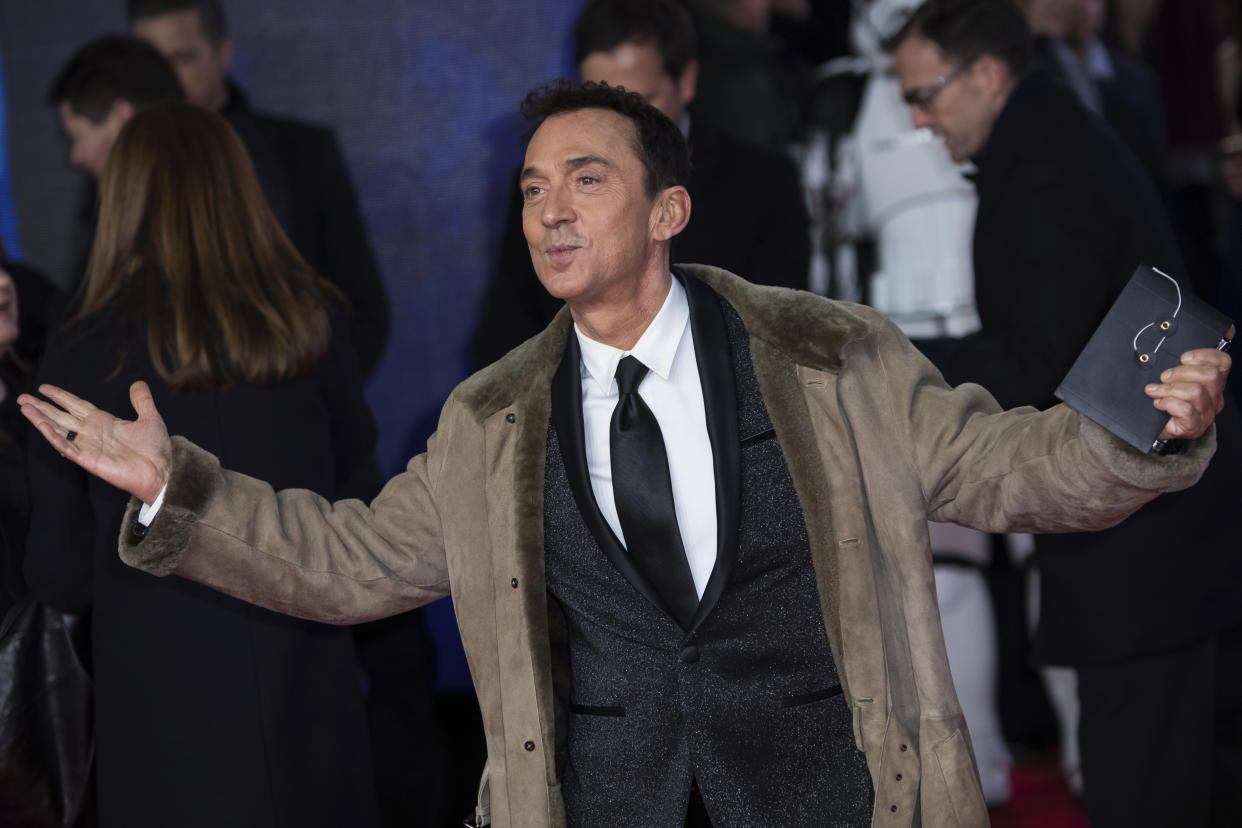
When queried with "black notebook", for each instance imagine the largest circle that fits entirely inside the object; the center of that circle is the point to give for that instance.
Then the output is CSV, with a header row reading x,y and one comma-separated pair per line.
x,y
1153,322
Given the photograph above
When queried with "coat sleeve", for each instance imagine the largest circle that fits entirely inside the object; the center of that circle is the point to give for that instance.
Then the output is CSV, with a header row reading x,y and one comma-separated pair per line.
x,y
1020,470
295,552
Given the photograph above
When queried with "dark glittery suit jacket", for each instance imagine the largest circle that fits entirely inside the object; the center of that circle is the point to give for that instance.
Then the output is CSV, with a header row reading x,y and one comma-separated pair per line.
x,y
746,701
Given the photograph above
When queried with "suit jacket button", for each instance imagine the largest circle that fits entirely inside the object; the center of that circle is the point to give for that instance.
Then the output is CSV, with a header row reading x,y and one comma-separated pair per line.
x,y
138,530
529,745
690,655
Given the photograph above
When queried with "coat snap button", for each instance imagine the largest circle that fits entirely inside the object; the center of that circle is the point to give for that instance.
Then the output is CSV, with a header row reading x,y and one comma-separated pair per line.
x,y
903,748
893,809
529,745
899,777
690,655
510,418
513,583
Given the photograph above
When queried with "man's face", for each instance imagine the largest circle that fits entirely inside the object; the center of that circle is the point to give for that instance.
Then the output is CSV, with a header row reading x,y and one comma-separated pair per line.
x,y
201,63
8,311
1091,20
586,215
90,142
959,103
640,68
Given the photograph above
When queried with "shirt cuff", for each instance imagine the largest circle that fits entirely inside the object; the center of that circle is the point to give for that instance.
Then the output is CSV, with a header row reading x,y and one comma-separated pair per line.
x,y
147,513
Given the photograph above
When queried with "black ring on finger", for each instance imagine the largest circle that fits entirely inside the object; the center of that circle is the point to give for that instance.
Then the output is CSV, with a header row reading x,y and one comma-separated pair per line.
x,y
71,436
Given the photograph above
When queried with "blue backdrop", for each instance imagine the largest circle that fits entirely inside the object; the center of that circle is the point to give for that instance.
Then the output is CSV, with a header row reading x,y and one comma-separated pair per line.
x,y
8,212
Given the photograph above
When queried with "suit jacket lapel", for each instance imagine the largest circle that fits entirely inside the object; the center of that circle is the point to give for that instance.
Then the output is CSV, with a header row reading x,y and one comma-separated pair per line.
x,y
715,361
567,418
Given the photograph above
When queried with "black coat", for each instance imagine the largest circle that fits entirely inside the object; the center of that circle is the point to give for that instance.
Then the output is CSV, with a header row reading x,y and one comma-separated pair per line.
x,y
208,711
1132,106
747,215
1065,215
16,379
307,184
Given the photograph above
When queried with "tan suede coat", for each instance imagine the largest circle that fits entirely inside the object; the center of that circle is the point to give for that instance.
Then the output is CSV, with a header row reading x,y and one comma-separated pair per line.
x,y
876,445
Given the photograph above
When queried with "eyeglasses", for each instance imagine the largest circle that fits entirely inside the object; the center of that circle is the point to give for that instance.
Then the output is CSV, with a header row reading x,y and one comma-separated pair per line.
x,y
921,98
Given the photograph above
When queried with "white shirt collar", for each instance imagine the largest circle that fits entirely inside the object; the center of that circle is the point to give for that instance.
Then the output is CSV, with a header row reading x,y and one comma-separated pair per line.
x,y
655,348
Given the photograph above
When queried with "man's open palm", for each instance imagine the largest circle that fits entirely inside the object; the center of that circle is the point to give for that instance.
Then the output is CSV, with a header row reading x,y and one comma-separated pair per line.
x,y
132,455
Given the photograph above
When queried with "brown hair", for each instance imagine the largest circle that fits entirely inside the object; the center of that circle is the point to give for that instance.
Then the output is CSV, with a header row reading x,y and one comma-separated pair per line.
x,y
184,230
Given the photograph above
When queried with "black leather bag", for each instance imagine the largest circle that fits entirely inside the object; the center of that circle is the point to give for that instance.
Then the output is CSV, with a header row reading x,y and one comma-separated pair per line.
x,y
46,741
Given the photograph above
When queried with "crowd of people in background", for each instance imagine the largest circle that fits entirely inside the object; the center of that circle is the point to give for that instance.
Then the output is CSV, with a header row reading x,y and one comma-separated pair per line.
x,y
990,190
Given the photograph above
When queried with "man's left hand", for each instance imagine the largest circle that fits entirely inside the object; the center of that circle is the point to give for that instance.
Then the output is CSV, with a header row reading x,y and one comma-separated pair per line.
x,y
1193,393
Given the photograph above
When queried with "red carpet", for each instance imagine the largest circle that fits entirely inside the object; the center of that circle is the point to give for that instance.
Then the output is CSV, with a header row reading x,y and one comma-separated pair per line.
x,y
1041,799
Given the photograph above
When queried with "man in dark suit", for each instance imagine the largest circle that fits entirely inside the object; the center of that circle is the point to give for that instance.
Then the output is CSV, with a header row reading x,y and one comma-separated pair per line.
x,y
1065,216
1115,87
95,93
749,213
299,165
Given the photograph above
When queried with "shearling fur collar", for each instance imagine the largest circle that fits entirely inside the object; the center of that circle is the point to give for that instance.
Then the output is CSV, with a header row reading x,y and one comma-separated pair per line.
x,y
809,330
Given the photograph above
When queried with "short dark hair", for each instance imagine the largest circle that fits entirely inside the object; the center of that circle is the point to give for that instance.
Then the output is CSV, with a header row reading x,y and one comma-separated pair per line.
x,y
658,142
604,25
210,13
112,68
965,30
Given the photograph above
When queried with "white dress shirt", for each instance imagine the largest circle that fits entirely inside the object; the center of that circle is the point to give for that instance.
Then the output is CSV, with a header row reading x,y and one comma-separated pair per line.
x,y
674,394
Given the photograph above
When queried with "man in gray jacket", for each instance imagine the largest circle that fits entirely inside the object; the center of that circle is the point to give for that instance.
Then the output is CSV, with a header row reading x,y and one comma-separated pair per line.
x,y
708,600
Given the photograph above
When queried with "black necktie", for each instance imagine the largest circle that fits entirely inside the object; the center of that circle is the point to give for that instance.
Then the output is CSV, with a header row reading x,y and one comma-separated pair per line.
x,y
643,492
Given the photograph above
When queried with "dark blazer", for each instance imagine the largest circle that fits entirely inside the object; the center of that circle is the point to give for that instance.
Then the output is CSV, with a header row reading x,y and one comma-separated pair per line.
x,y
208,711
747,215
307,184
1065,216
17,379
1132,107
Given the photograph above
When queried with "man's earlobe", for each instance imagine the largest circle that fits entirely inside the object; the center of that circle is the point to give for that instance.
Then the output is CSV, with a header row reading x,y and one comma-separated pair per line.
x,y
672,213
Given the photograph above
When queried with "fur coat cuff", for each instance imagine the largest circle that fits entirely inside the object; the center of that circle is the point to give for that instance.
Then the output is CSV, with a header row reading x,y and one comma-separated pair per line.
x,y
192,478
1149,471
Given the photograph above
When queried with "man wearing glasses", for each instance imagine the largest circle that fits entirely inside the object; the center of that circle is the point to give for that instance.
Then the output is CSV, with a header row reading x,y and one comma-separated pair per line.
x,y
1147,612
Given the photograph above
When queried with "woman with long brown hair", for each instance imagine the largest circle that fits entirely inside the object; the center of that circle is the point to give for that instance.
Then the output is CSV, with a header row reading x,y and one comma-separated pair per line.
x,y
209,712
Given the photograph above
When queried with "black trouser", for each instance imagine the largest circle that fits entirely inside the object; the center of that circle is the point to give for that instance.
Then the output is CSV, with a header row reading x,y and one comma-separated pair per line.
x,y
1161,738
